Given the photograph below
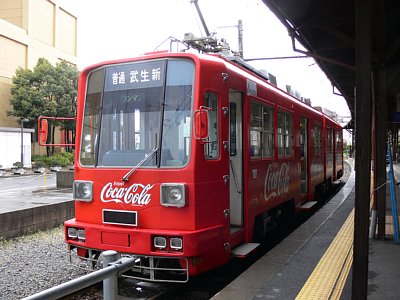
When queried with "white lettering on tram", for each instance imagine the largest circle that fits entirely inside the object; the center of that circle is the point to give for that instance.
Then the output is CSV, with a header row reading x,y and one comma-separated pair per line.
x,y
136,194
276,181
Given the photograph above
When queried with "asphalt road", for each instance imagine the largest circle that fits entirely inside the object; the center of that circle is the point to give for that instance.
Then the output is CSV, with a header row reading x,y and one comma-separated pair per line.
x,y
15,184
20,192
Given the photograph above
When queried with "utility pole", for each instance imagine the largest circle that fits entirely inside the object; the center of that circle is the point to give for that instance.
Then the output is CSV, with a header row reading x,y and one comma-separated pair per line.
x,y
240,38
22,140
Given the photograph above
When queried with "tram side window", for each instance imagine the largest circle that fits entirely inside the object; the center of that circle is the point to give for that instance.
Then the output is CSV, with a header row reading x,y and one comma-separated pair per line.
x,y
285,134
317,140
339,144
232,129
329,142
211,148
268,132
261,131
338,141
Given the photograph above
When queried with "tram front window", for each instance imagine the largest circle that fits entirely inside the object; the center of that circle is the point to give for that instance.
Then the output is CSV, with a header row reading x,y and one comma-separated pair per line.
x,y
144,106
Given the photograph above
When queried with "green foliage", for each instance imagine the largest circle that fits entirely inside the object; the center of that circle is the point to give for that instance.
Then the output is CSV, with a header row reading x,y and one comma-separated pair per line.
x,y
46,90
39,164
31,94
68,156
66,92
346,150
60,159
17,164
38,158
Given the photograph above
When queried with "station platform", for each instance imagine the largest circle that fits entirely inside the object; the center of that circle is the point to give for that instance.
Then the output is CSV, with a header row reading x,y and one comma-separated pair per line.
x,y
315,261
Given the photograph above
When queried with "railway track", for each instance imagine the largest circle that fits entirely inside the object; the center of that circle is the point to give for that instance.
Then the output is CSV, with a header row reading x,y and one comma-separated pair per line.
x,y
206,285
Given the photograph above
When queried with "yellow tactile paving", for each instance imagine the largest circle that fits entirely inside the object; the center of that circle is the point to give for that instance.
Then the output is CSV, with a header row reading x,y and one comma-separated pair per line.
x,y
329,276
337,291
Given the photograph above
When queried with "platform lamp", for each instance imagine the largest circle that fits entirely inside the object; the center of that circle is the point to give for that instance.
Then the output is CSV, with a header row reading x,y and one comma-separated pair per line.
x,y
24,120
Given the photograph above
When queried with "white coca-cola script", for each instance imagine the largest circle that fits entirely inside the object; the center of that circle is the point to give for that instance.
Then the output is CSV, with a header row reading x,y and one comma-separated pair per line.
x,y
276,181
137,194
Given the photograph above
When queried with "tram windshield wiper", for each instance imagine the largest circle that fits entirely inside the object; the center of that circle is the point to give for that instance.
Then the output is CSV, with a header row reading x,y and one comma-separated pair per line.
x,y
146,158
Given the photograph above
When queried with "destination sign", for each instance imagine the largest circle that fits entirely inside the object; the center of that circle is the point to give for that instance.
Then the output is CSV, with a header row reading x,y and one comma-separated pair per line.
x,y
134,76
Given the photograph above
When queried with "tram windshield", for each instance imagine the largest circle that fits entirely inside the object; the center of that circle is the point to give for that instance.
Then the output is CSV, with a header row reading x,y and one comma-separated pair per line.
x,y
132,109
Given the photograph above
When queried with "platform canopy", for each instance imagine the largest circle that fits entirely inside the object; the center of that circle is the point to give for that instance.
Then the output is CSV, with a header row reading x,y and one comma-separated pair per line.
x,y
326,28
357,44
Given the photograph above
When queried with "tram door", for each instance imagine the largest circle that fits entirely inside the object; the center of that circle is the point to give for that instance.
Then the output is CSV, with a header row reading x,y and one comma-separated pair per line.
x,y
304,154
236,158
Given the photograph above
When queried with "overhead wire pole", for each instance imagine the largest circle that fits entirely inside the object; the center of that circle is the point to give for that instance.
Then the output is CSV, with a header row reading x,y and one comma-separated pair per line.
x,y
208,34
203,22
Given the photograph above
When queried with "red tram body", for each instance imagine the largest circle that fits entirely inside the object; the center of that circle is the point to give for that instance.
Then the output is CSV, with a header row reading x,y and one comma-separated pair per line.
x,y
183,159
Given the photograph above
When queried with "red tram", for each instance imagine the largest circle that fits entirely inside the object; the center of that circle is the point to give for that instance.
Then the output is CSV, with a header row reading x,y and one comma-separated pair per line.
x,y
183,159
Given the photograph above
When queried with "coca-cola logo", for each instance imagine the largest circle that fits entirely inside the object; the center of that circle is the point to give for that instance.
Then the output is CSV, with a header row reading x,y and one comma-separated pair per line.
x,y
276,181
136,194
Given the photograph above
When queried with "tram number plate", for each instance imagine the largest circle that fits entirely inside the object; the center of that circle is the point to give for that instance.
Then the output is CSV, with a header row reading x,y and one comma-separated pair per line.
x,y
120,217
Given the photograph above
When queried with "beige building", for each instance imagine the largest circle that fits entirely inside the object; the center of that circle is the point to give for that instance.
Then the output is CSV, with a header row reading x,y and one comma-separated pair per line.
x,y
30,29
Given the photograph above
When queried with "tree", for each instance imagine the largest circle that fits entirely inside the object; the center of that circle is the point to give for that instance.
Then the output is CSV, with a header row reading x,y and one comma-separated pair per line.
x,y
65,92
45,91
29,97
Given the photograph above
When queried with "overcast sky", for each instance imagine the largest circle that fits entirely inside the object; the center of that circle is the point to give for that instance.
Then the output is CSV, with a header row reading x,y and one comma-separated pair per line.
x,y
126,28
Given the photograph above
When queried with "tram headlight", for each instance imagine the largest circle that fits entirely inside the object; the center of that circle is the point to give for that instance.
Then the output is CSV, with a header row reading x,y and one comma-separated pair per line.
x,y
72,233
83,190
76,233
172,194
176,243
160,242
81,234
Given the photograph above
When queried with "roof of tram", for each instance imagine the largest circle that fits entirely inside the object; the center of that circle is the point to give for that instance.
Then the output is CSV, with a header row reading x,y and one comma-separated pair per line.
x,y
326,28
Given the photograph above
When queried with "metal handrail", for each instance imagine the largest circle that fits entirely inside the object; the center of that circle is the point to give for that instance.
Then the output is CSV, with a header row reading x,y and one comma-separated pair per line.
x,y
113,267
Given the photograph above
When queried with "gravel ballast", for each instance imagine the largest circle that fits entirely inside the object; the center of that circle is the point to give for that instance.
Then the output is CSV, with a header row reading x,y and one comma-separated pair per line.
x,y
34,263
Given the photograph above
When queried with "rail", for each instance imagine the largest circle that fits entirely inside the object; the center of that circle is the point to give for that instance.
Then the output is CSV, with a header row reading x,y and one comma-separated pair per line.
x,y
112,268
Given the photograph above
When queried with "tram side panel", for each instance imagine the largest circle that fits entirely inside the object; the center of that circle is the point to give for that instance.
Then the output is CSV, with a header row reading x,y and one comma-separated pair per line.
x,y
211,167
274,177
330,150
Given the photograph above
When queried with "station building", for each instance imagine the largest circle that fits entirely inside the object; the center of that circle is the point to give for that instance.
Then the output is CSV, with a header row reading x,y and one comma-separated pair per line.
x,y
29,30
